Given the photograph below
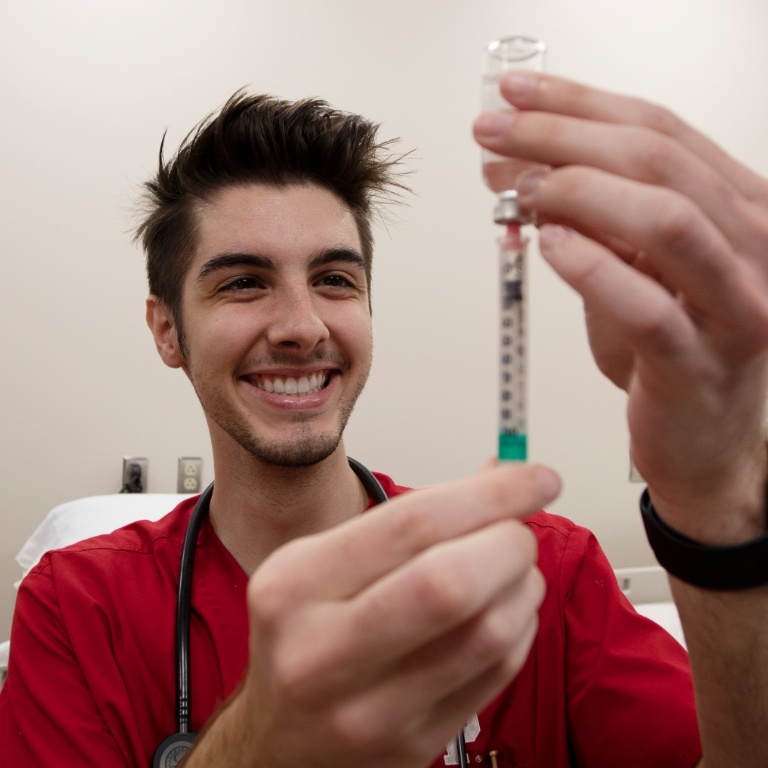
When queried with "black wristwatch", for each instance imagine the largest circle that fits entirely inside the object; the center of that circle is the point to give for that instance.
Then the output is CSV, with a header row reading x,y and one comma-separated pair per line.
x,y
741,566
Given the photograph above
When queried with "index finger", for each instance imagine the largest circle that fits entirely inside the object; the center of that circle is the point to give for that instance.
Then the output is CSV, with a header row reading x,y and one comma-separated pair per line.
x,y
343,560
547,93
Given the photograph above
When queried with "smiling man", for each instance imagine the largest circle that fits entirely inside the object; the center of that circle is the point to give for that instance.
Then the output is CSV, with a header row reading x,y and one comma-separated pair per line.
x,y
276,299
326,633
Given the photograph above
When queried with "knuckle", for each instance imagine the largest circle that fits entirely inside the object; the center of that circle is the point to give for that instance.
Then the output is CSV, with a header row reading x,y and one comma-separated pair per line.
x,y
289,678
506,487
664,120
267,597
311,659
275,588
414,526
354,726
298,679
657,154
508,626
443,596
676,220
517,655
493,638
510,623
653,331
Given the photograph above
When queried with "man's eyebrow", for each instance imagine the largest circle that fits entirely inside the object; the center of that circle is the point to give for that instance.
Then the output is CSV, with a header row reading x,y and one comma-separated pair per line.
x,y
254,260
348,255
227,260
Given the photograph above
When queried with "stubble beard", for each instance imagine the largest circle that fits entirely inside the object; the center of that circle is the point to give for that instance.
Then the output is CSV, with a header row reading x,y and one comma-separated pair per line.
x,y
303,447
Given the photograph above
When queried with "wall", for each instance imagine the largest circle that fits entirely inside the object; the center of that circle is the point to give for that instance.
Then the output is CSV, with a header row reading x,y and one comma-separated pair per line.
x,y
88,89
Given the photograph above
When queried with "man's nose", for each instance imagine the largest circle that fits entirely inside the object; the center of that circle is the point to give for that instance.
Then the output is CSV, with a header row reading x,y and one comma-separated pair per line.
x,y
296,320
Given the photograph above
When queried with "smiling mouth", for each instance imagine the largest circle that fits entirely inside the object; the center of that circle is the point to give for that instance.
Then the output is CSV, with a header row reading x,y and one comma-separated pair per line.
x,y
290,385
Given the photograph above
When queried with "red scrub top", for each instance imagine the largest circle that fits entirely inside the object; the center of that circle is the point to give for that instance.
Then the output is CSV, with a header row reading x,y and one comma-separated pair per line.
x,y
91,677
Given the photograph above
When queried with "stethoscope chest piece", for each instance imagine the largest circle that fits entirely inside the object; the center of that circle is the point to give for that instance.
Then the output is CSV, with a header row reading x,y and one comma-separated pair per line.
x,y
173,750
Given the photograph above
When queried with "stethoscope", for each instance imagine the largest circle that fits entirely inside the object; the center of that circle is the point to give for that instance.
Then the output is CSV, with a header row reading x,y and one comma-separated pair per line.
x,y
174,747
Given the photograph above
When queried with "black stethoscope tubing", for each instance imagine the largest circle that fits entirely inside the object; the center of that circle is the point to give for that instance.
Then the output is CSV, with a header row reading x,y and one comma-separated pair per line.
x,y
172,748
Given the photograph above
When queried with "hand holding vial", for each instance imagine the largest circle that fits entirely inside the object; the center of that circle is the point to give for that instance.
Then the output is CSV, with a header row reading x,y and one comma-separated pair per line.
x,y
665,238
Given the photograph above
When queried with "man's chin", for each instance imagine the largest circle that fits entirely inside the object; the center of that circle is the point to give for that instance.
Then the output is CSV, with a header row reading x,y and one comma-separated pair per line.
x,y
302,457
303,452
303,444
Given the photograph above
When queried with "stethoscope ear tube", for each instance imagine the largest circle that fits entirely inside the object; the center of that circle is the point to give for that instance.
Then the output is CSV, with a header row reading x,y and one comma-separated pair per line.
x,y
369,481
183,607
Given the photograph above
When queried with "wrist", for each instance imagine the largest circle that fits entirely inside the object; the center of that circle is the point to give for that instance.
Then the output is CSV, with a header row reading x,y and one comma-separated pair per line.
x,y
724,507
228,738
709,566
729,520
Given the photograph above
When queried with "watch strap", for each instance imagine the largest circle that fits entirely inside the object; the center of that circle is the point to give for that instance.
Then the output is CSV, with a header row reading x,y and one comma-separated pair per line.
x,y
726,568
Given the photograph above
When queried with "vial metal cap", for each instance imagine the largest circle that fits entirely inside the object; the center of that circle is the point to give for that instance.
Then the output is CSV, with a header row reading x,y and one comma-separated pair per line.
x,y
507,210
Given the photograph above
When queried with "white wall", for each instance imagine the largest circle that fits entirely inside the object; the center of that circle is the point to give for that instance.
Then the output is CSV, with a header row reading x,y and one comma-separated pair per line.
x,y
87,89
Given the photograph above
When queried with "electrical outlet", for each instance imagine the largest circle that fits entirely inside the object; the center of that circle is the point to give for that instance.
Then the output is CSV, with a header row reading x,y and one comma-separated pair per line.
x,y
190,477
134,474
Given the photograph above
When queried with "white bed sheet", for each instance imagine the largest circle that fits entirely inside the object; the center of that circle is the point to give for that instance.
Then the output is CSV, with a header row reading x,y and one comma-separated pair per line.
x,y
82,518
91,516
666,615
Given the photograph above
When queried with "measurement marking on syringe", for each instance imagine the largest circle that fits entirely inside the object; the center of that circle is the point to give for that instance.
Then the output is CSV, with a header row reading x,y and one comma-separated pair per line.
x,y
512,385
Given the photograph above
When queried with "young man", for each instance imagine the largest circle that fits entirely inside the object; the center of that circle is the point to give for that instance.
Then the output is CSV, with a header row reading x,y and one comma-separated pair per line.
x,y
324,636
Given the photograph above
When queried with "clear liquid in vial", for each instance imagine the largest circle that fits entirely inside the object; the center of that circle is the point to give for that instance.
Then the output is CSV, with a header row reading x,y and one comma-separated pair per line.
x,y
499,172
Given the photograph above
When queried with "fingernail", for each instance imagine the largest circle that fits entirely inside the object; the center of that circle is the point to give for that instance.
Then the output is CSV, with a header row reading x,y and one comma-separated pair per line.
x,y
529,181
551,235
548,482
551,239
494,122
519,82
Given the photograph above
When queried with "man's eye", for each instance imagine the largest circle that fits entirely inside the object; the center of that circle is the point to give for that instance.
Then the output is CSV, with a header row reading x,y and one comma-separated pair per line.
x,y
242,284
337,281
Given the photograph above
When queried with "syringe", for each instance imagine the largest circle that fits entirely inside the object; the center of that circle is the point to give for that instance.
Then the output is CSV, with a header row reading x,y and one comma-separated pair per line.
x,y
500,174
513,346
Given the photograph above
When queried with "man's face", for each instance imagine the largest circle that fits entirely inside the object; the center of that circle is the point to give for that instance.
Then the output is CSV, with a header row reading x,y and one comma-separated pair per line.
x,y
277,327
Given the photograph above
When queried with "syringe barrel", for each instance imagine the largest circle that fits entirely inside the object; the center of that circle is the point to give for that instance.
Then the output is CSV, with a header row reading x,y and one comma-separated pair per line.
x,y
513,346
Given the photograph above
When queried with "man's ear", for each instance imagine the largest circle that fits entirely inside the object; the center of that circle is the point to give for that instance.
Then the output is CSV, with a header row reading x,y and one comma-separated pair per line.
x,y
161,323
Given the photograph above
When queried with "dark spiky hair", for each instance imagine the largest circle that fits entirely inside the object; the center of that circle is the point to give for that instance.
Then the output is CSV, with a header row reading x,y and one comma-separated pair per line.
x,y
264,140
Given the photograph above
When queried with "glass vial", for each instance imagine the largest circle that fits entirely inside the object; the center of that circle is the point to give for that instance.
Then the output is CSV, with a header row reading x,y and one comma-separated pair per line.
x,y
519,52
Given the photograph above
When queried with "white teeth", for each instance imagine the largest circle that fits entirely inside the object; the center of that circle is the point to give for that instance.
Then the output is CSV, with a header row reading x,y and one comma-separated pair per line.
x,y
288,385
